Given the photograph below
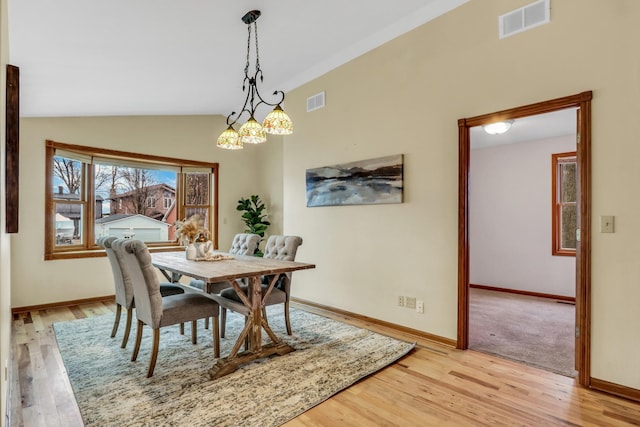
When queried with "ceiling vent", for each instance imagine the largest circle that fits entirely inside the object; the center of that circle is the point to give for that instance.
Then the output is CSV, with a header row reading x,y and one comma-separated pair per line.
x,y
315,102
525,18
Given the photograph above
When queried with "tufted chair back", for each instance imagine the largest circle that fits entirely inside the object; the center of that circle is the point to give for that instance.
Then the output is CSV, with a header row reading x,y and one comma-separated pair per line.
x,y
124,291
138,270
244,244
154,310
282,247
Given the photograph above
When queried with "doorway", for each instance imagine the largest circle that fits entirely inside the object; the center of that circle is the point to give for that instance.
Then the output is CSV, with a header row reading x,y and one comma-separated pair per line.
x,y
581,102
522,296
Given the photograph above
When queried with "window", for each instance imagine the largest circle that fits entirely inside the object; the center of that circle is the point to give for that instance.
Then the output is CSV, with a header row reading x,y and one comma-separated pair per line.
x,y
564,202
93,192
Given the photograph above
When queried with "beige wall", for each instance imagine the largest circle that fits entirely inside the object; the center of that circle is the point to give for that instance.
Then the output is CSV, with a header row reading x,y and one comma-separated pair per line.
x,y
406,97
189,137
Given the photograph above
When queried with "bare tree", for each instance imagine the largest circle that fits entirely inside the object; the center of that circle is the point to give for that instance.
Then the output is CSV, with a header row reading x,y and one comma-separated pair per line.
x,y
105,177
69,171
197,188
137,183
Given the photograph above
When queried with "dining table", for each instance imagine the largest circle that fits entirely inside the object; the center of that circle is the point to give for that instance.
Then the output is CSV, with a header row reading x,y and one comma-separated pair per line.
x,y
236,270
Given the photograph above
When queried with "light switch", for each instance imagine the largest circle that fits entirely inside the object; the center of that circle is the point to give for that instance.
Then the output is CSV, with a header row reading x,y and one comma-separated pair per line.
x,y
606,223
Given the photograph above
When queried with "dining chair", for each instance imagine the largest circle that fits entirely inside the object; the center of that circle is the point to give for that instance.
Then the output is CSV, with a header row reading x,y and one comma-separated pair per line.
x,y
242,244
277,247
156,311
124,291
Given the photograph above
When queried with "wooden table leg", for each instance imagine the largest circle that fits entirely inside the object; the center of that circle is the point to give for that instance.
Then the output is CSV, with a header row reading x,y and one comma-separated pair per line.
x,y
255,318
171,276
255,324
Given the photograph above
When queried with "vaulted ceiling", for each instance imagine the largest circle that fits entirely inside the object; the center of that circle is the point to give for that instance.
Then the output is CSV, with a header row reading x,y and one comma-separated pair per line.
x,y
156,57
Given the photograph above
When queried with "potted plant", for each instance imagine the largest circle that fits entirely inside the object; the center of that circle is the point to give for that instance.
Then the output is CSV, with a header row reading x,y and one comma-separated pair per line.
x,y
254,217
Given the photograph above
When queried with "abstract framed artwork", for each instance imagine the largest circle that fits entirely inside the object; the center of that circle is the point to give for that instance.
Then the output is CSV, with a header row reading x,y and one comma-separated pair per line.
x,y
365,182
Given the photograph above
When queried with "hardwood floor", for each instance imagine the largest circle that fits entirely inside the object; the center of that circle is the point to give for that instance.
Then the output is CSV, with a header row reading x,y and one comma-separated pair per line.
x,y
434,385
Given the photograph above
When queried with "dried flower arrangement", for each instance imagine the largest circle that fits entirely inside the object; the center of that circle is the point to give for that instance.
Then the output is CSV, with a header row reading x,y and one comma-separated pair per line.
x,y
191,229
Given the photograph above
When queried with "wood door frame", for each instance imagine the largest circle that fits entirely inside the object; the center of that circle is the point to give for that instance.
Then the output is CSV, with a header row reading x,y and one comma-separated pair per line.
x,y
583,253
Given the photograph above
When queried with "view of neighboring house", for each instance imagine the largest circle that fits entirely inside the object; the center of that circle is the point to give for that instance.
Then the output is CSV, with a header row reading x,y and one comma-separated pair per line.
x,y
154,201
131,226
157,202
147,214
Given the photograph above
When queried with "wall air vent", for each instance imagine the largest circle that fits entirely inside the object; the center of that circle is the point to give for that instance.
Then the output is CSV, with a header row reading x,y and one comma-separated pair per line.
x,y
315,102
525,18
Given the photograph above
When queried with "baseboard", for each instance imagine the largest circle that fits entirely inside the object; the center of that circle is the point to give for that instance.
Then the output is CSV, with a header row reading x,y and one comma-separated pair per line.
x,y
376,323
106,298
616,389
528,293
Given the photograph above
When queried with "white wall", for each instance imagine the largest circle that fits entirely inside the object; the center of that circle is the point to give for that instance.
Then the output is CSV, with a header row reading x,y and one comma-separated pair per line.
x,y
510,218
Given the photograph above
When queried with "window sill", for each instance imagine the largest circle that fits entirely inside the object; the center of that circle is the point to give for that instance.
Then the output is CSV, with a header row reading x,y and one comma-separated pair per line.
x,y
564,253
96,253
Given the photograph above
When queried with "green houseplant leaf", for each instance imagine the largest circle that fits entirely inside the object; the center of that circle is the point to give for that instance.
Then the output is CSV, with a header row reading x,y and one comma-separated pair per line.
x,y
254,217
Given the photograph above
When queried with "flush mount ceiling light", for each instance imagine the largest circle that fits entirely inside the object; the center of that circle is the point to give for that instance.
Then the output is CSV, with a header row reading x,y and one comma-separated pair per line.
x,y
277,121
497,128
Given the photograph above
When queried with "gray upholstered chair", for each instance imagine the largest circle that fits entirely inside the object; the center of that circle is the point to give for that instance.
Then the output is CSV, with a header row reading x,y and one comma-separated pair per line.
x,y
124,291
277,247
156,311
242,244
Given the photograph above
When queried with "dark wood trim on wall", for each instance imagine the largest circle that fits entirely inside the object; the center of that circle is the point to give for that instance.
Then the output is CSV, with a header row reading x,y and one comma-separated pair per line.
x,y
583,255
617,390
106,298
12,148
520,292
583,251
464,156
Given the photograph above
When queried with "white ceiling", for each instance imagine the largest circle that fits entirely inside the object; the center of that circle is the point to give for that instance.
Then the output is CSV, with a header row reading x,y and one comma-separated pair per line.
x,y
156,57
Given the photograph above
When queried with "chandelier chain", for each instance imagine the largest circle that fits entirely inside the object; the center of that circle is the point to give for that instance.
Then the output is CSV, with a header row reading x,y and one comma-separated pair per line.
x,y
246,66
277,122
255,27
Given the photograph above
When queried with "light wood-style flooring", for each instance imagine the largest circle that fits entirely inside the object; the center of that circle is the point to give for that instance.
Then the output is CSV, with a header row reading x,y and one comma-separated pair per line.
x,y
434,385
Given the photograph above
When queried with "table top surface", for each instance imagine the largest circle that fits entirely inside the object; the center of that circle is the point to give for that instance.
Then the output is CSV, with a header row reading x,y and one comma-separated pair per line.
x,y
229,269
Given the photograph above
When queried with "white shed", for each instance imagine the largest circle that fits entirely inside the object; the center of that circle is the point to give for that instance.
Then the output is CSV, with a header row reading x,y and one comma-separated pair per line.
x,y
133,226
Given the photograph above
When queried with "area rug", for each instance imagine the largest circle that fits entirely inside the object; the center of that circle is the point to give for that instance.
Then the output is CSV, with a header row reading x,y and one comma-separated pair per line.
x,y
113,391
533,330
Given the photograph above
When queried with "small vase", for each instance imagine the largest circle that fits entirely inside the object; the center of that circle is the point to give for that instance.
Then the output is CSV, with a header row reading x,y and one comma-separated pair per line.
x,y
191,252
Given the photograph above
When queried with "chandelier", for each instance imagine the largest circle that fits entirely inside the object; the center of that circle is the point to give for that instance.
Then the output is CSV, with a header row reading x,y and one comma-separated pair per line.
x,y
277,121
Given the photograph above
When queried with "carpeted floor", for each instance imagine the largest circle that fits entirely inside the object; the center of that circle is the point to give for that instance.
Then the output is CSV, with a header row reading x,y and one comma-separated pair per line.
x,y
112,391
536,331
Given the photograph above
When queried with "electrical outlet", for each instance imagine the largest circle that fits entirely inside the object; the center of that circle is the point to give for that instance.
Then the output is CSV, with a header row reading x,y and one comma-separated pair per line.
x,y
410,302
400,301
420,306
